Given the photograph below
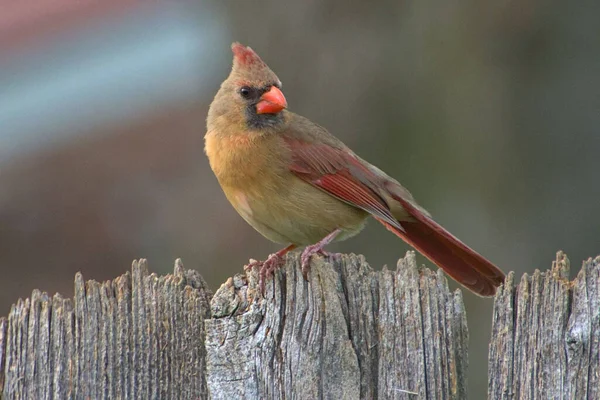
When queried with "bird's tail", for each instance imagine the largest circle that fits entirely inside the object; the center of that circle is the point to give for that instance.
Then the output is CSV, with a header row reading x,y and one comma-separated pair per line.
x,y
459,261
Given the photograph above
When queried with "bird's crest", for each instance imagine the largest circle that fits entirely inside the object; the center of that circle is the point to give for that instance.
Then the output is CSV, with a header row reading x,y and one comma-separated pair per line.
x,y
244,55
248,66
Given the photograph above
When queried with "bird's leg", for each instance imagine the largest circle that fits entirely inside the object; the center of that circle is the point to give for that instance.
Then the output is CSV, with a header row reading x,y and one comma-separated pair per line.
x,y
316,248
268,266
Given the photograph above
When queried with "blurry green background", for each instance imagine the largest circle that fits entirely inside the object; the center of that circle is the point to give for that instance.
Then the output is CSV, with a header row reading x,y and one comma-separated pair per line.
x,y
487,112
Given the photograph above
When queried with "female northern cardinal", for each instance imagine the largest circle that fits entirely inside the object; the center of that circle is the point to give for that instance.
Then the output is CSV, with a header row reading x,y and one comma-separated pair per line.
x,y
297,184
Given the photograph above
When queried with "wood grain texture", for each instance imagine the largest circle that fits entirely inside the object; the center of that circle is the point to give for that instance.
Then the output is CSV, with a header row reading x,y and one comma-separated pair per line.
x,y
348,333
139,336
546,335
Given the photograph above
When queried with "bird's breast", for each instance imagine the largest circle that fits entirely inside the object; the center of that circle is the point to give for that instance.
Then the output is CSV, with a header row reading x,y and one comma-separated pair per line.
x,y
243,160
255,177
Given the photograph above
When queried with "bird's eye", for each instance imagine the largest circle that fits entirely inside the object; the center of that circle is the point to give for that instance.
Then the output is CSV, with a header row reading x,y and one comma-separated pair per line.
x,y
245,92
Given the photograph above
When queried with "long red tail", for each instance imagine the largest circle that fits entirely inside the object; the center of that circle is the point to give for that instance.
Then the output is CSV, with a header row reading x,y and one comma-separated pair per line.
x,y
458,260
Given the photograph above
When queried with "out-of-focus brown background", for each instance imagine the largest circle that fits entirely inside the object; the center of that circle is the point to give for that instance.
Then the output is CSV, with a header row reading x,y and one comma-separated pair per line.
x,y
488,112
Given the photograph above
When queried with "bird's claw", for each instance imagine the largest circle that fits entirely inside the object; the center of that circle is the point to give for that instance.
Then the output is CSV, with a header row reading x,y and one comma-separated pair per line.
x,y
266,269
323,253
308,252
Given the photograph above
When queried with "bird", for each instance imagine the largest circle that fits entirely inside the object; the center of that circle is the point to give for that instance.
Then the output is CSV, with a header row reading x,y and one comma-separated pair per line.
x,y
298,185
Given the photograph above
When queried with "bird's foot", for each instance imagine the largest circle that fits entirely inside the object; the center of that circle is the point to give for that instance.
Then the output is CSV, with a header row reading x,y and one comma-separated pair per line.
x,y
305,257
316,248
268,267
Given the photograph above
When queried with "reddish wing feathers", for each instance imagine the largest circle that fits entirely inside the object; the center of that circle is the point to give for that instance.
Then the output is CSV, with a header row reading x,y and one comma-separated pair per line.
x,y
345,187
341,175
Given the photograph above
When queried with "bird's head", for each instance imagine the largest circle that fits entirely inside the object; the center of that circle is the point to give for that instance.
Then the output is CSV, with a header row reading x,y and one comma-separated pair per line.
x,y
251,94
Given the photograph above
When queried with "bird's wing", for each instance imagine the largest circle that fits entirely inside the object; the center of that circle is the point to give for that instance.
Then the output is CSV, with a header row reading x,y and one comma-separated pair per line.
x,y
341,174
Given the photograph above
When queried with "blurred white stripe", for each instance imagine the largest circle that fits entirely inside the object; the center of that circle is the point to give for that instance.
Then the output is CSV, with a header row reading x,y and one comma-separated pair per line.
x,y
106,74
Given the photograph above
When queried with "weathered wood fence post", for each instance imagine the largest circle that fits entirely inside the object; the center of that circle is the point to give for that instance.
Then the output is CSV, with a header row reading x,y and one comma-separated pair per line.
x,y
349,333
546,335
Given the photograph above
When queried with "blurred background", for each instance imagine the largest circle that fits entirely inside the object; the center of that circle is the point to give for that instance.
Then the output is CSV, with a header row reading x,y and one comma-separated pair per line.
x,y
487,112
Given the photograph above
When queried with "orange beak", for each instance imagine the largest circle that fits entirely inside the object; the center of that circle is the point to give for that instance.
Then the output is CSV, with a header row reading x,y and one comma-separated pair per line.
x,y
271,102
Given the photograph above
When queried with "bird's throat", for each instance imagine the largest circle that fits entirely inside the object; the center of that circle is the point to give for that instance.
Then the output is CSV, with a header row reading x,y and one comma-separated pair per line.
x,y
256,121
